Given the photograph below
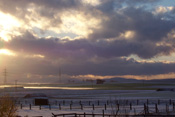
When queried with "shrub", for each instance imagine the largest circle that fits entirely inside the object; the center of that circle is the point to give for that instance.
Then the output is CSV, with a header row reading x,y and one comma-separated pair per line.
x,y
7,107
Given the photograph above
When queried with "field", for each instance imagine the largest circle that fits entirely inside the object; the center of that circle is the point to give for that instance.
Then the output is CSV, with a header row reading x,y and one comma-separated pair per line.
x,y
80,98
108,86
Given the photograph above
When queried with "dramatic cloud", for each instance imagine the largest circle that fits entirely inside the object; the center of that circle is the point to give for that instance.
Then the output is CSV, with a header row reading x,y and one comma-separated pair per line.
x,y
58,48
98,37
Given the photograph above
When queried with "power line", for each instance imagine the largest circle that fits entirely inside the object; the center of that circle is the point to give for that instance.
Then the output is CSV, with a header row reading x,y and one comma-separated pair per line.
x,y
5,76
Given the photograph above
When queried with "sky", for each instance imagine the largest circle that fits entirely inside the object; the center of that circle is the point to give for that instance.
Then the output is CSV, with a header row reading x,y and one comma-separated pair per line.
x,y
86,39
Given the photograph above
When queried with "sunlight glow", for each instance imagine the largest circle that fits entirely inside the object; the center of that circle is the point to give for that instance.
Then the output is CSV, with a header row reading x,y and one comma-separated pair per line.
x,y
7,25
138,77
128,34
92,2
91,76
163,9
39,56
149,77
159,59
7,52
79,21
35,56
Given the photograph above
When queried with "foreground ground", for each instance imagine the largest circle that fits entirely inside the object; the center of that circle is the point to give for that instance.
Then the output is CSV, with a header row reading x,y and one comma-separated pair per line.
x,y
73,94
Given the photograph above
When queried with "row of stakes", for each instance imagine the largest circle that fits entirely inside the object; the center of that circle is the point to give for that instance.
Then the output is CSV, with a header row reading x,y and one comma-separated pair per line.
x,y
108,102
146,107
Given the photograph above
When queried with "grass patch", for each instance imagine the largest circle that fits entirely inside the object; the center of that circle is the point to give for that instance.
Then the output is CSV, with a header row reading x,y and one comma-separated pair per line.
x,y
124,86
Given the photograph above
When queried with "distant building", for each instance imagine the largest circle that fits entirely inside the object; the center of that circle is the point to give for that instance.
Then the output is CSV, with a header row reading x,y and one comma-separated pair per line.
x,y
100,81
38,98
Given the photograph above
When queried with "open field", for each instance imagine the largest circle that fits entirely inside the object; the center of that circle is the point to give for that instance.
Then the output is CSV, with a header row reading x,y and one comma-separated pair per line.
x,y
107,86
127,86
105,94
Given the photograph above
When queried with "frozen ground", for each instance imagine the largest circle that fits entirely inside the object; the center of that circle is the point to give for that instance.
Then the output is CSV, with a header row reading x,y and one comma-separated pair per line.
x,y
56,97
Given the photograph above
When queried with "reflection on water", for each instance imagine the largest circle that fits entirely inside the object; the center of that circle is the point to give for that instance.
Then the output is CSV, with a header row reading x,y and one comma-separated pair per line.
x,y
42,87
2,86
68,88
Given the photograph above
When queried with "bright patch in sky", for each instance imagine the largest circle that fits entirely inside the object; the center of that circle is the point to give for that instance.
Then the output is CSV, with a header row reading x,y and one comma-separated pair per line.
x,y
91,2
128,34
7,26
78,23
35,56
7,52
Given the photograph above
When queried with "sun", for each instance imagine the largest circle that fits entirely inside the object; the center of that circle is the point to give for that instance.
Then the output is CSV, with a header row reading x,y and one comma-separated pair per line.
x,y
7,52
8,24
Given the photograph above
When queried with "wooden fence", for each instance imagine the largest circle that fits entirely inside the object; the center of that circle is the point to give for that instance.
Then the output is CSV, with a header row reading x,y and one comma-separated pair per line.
x,y
119,107
107,115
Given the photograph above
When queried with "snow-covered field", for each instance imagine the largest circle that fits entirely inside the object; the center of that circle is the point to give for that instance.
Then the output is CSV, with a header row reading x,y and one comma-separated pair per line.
x,y
88,98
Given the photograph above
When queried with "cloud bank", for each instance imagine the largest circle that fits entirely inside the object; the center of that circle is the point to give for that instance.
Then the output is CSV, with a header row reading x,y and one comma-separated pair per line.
x,y
88,37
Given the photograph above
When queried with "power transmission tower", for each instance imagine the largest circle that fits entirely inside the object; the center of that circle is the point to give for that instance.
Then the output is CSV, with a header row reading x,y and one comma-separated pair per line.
x,y
16,85
5,76
60,75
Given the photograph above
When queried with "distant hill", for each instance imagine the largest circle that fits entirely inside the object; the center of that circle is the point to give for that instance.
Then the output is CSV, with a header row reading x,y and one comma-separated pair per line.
x,y
124,80
162,81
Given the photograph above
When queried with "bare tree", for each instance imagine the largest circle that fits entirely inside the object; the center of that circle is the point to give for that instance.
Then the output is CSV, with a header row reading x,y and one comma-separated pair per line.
x,y
7,107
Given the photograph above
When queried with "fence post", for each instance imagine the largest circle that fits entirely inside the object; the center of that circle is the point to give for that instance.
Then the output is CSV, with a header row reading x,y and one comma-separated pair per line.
x,y
118,106
84,114
93,107
130,106
173,106
98,102
137,102
81,106
105,106
170,102
93,115
156,108
103,113
21,106
30,106
63,102
75,114
70,106
145,109
40,107
59,106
